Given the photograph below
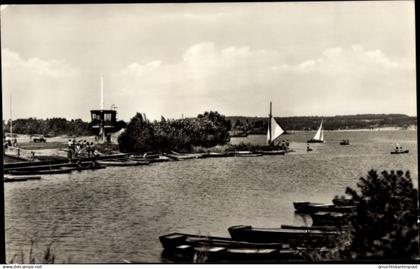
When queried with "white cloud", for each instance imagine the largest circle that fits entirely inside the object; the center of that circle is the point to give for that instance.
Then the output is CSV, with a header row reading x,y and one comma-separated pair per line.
x,y
52,68
39,87
233,80
240,80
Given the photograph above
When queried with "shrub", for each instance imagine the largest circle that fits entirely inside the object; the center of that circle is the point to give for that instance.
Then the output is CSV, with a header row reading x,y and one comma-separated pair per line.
x,y
207,130
384,224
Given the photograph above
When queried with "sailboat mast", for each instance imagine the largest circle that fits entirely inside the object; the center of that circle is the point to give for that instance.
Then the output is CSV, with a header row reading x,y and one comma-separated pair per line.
x,y
11,121
269,125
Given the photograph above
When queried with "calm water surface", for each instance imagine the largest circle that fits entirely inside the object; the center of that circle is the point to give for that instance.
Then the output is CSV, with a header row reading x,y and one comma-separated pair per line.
x,y
118,213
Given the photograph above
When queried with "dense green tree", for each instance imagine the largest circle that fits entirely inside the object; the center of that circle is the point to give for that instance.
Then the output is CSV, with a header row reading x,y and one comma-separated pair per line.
x,y
207,130
138,136
384,224
120,125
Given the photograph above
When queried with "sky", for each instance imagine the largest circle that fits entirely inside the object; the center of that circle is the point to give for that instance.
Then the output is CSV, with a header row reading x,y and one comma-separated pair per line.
x,y
308,58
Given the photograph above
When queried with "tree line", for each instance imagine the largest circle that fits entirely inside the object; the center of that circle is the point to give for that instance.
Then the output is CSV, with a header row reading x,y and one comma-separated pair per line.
x,y
53,127
250,125
206,130
258,125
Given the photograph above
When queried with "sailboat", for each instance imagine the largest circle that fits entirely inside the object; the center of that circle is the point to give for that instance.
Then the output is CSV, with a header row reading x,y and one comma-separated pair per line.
x,y
319,136
274,130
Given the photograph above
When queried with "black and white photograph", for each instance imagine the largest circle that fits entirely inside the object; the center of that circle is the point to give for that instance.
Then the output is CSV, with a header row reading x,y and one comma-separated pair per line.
x,y
223,133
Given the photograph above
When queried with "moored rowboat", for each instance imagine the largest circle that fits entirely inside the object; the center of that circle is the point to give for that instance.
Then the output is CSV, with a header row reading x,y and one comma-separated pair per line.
x,y
246,153
310,228
329,219
188,248
181,157
271,152
286,236
20,178
42,172
308,207
175,239
123,163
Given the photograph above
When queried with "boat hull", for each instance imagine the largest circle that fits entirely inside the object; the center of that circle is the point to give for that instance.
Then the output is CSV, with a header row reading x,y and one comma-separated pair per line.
x,y
329,219
123,163
181,157
175,239
21,178
271,152
315,141
295,238
400,152
307,207
246,153
188,248
42,172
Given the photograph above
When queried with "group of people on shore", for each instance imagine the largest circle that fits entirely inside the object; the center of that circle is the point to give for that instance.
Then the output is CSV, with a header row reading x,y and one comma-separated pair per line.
x,y
80,149
9,142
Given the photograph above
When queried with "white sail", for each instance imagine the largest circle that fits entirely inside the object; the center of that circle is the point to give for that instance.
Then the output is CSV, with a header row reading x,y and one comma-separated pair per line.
x,y
319,134
276,131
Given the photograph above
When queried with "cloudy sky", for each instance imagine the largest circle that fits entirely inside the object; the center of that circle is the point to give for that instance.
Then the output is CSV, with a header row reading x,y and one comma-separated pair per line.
x,y
309,58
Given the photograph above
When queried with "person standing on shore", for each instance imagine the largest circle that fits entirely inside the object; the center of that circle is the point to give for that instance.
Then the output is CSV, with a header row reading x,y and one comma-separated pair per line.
x,y
92,149
70,150
77,151
89,149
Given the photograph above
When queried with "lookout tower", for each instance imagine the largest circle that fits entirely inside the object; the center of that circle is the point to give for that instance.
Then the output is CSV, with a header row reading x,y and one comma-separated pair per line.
x,y
103,120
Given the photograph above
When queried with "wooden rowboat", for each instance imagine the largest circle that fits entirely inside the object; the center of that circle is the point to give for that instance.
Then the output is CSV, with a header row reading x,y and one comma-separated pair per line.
x,y
329,219
311,228
123,163
271,152
175,239
20,178
188,247
246,153
295,237
308,207
42,172
181,157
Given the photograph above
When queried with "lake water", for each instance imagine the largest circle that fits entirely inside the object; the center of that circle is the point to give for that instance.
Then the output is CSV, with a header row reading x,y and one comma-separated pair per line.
x,y
118,213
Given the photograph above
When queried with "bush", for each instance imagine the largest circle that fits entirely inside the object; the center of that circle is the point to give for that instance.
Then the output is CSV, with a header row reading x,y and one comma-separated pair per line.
x,y
207,130
138,136
384,224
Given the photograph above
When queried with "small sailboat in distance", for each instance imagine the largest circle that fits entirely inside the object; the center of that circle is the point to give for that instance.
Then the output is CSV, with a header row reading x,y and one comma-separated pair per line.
x,y
319,136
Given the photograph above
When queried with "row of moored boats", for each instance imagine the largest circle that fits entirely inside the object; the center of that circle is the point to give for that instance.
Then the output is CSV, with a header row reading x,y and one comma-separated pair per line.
x,y
22,171
251,244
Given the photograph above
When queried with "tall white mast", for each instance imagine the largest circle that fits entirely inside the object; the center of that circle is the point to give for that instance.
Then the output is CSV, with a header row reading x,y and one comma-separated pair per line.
x,y
11,121
102,91
269,126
